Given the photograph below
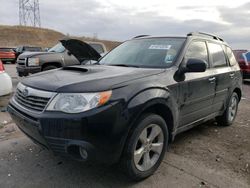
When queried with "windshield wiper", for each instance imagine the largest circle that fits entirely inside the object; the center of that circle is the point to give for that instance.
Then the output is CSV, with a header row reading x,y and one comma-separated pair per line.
x,y
124,65
96,63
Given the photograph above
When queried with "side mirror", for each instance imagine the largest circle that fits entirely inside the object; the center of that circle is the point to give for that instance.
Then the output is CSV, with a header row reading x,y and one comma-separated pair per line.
x,y
196,65
192,65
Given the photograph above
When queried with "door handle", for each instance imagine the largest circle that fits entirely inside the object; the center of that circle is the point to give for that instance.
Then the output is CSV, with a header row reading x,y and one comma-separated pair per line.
x,y
231,75
212,79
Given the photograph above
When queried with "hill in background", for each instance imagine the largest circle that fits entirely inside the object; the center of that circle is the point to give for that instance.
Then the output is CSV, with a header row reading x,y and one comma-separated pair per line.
x,y
12,36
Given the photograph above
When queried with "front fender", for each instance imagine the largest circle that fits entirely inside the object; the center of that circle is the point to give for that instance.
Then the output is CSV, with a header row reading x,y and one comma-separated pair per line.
x,y
146,99
149,97
142,101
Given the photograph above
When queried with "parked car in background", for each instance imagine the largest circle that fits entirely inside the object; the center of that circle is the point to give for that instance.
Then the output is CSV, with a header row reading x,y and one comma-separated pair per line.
x,y
130,105
243,58
65,53
7,55
19,50
99,47
5,81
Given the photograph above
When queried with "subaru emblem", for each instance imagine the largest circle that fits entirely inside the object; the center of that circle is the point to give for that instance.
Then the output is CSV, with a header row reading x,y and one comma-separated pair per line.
x,y
25,92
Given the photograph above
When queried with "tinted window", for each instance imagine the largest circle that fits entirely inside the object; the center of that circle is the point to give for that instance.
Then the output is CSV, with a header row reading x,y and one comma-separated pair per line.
x,y
18,49
32,49
58,48
239,55
197,50
247,56
217,55
152,52
6,50
97,47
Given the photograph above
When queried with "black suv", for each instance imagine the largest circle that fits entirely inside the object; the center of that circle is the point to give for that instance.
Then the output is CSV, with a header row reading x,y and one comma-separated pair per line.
x,y
129,105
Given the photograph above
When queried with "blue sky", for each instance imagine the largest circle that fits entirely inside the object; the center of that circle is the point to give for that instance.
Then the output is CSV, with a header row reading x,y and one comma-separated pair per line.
x,y
120,20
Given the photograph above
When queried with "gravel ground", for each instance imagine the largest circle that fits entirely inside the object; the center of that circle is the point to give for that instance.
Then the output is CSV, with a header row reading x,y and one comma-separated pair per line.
x,y
206,156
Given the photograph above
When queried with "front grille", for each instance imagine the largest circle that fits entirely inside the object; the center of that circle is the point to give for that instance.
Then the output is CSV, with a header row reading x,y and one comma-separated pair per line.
x,y
32,99
21,61
31,102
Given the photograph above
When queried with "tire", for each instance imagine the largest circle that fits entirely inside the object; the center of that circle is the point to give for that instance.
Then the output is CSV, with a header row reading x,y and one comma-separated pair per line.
x,y
20,74
230,113
137,168
49,67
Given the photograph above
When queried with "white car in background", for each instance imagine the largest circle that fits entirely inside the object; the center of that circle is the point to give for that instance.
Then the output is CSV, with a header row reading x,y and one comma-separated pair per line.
x,y
5,81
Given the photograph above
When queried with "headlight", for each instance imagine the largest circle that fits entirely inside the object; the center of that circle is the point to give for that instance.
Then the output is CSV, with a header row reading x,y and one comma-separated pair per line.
x,y
33,62
78,102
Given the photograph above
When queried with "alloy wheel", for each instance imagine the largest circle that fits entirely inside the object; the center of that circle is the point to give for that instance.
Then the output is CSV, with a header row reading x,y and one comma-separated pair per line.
x,y
232,109
149,147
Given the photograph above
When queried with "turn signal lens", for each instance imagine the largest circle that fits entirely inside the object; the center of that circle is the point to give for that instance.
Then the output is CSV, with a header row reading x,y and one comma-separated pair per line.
x,y
104,97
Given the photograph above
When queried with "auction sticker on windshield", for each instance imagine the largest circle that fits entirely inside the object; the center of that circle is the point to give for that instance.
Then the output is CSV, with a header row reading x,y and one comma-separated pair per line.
x,y
159,47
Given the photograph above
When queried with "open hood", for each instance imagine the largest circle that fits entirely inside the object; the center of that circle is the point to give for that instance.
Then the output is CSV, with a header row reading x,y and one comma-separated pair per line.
x,y
81,50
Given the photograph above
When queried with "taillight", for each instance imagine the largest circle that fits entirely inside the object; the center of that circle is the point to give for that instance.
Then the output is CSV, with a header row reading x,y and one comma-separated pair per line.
x,y
1,67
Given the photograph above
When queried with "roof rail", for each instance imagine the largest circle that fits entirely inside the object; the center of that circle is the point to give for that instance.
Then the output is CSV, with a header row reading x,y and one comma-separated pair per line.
x,y
205,34
139,36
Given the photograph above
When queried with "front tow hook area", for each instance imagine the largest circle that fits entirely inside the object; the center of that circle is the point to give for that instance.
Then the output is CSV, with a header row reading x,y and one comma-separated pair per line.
x,y
79,150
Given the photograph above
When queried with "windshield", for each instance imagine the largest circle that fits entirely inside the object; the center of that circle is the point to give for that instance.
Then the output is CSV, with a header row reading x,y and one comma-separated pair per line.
x,y
6,50
153,52
32,49
97,47
57,48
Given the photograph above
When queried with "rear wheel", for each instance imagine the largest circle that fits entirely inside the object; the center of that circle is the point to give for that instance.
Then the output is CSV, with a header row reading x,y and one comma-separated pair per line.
x,y
231,111
146,147
49,67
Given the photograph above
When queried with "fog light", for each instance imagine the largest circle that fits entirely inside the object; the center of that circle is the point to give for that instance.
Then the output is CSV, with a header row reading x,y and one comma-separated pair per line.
x,y
83,153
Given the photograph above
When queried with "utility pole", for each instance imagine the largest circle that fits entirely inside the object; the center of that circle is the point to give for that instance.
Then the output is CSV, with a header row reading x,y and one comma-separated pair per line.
x,y
29,13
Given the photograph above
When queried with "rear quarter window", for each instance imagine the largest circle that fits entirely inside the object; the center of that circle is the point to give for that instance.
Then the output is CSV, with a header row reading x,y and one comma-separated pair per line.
x,y
230,55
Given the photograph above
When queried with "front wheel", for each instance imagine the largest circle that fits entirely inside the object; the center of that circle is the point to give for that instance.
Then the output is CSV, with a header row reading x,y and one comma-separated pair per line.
x,y
231,111
145,148
20,74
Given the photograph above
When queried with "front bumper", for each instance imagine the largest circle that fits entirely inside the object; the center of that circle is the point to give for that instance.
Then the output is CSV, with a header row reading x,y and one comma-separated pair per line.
x,y
246,74
101,132
6,84
8,59
26,70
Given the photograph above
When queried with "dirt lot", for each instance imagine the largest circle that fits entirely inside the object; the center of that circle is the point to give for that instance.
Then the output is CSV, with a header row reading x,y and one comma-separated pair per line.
x,y
206,156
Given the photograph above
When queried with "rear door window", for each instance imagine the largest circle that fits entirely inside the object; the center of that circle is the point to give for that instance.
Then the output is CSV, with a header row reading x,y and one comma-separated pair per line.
x,y
217,55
